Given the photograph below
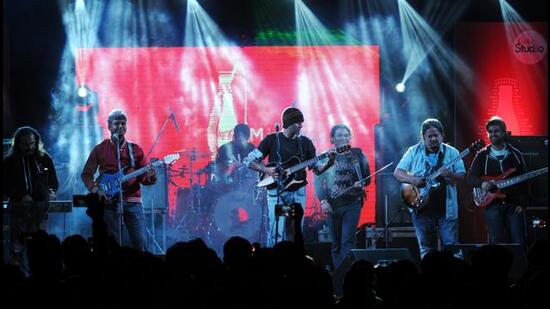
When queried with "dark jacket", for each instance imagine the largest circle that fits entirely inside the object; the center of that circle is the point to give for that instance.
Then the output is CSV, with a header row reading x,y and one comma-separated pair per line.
x,y
33,175
486,165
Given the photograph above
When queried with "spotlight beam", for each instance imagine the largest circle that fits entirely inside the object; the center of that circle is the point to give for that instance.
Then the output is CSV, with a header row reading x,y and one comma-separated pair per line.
x,y
419,40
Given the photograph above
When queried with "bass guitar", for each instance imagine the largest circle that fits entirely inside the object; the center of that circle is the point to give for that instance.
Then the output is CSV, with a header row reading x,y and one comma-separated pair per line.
x,y
483,198
417,198
110,182
289,169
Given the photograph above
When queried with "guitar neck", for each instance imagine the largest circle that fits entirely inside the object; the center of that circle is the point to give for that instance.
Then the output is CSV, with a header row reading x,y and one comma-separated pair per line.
x,y
307,163
138,172
514,180
450,164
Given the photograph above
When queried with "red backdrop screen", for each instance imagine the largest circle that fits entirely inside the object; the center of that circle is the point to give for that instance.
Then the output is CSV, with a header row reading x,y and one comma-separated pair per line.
x,y
212,89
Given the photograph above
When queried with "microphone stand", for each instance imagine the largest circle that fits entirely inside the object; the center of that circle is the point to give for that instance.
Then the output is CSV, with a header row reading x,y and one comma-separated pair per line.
x,y
158,137
120,207
278,169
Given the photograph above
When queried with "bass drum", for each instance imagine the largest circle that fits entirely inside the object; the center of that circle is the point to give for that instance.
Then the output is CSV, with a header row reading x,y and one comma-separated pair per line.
x,y
237,213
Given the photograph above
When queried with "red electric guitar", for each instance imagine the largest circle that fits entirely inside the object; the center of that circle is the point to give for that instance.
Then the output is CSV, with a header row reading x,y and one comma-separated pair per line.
x,y
483,198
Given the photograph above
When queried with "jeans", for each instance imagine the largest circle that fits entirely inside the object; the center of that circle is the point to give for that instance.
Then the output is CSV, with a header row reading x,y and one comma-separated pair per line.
x,y
133,220
502,219
427,228
285,230
342,224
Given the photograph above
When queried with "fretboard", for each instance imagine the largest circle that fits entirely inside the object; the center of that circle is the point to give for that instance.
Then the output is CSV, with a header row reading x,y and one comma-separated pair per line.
x,y
514,180
140,171
450,164
307,163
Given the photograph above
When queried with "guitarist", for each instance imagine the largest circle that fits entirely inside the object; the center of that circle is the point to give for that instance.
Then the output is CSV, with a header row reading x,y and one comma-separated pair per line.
x,y
344,208
104,157
502,216
280,147
441,212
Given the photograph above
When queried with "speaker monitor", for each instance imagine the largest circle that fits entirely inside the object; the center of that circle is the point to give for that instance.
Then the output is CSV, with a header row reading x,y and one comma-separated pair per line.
x,y
375,256
535,154
519,265
156,196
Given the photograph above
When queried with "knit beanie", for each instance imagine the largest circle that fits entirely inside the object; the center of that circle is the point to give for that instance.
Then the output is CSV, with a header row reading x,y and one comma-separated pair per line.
x,y
290,116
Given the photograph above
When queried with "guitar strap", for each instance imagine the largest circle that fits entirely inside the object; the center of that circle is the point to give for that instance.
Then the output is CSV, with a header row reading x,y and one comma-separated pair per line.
x,y
440,158
439,163
357,166
300,148
278,148
131,153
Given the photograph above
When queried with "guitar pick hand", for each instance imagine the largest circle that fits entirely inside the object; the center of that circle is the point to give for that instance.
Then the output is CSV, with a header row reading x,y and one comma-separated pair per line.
x,y
445,172
489,186
419,182
272,171
103,197
151,174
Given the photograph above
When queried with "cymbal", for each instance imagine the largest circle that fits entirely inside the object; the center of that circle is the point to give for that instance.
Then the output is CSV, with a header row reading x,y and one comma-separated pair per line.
x,y
196,153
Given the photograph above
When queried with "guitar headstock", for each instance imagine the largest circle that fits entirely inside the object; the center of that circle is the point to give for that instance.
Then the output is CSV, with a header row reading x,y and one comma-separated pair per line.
x,y
171,158
477,145
343,148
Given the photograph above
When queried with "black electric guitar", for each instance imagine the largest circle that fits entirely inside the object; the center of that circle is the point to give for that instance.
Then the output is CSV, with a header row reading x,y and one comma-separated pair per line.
x,y
110,182
417,198
290,167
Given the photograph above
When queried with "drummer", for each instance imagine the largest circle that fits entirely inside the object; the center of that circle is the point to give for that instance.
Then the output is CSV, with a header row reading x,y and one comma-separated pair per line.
x,y
230,155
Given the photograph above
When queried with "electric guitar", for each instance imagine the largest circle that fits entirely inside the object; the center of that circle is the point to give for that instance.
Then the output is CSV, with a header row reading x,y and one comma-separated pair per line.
x,y
110,182
482,198
417,198
290,167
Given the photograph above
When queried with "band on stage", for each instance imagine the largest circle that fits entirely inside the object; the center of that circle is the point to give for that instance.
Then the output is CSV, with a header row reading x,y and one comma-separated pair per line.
x,y
253,191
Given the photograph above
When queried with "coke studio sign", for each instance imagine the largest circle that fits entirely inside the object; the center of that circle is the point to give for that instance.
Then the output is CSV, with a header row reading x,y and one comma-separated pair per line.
x,y
529,47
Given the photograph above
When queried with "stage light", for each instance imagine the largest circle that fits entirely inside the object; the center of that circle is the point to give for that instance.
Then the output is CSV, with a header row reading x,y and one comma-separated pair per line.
x,y
421,40
82,91
400,87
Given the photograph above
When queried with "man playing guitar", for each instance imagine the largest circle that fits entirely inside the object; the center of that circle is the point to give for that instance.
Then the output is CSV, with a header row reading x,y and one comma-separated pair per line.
x,y
104,156
502,216
280,147
441,211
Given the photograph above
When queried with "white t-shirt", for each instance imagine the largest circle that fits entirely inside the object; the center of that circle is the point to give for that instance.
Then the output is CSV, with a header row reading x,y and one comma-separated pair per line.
x,y
499,154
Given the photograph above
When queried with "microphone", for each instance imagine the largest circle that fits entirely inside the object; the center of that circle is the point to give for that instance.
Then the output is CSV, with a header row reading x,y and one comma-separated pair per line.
x,y
276,127
175,121
117,134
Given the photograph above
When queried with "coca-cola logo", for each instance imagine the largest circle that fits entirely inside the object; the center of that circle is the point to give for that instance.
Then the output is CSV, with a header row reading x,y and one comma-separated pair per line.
x,y
530,47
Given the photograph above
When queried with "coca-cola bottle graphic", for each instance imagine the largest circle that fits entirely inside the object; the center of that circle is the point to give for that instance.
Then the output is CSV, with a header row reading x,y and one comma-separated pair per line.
x,y
506,101
222,117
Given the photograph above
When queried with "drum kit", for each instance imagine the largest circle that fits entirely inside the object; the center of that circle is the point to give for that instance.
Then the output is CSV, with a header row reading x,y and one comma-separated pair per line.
x,y
221,201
